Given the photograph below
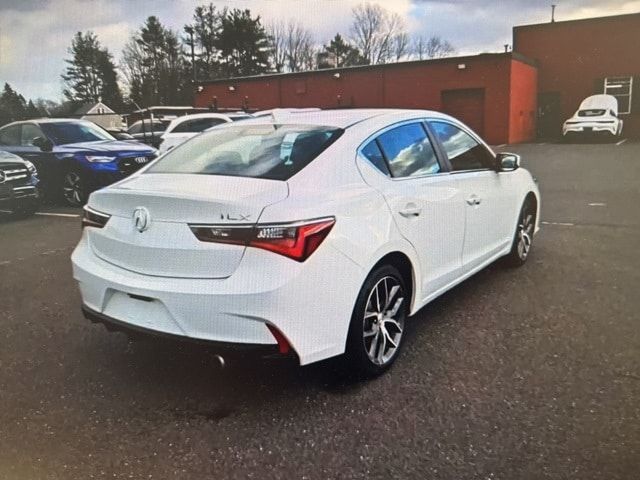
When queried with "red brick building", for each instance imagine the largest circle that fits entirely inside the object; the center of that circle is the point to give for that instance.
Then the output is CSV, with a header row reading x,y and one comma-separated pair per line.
x,y
579,58
506,97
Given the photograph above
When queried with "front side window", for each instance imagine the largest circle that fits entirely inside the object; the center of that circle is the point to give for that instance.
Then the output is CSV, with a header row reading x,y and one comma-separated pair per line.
x,y
621,88
408,151
10,135
463,151
63,133
29,133
275,152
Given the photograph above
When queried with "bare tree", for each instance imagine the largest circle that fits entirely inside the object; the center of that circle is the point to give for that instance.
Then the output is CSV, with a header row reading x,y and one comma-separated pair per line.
x,y
277,33
299,47
374,31
291,45
400,46
432,47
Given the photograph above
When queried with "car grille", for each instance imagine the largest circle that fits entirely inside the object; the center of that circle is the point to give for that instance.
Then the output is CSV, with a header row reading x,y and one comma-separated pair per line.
x,y
14,173
128,165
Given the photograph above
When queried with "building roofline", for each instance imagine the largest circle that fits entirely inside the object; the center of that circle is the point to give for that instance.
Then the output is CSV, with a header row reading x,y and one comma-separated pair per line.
x,y
513,55
577,20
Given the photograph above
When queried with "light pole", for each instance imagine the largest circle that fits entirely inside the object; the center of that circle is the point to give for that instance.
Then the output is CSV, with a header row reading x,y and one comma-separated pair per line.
x,y
189,30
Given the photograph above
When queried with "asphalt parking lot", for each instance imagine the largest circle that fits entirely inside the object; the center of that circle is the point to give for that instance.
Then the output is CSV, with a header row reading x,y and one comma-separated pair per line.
x,y
531,373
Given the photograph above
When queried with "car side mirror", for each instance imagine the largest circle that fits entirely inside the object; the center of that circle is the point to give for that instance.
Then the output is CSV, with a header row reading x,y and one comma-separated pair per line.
x,y
43,144
507,162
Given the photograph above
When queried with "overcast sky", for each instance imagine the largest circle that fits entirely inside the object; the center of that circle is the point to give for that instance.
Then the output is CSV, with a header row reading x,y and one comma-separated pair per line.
x,y
35,34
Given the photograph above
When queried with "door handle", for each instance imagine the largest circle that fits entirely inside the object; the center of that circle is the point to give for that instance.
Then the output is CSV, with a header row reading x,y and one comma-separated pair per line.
x,y
410,211
474,200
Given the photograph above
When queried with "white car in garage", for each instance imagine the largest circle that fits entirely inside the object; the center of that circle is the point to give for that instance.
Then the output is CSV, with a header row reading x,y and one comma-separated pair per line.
x,y
187,126
596,114
312,234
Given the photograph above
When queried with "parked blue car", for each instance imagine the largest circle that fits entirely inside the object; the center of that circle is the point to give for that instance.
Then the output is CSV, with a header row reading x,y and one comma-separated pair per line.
x,y
73,157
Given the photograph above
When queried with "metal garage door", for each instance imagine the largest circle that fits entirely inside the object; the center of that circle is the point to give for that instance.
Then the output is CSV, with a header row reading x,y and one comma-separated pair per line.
x,y
466,105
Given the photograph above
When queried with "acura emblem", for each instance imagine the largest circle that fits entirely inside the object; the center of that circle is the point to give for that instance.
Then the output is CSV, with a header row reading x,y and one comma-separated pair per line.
x,y
3,176
141,219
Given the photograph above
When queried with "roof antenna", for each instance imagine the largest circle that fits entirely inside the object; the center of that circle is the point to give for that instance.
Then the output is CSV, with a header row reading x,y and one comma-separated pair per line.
x,y
553,13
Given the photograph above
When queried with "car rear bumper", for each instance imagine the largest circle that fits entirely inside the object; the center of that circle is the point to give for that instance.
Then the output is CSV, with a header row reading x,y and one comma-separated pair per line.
x,y
114,325
309,303
587,128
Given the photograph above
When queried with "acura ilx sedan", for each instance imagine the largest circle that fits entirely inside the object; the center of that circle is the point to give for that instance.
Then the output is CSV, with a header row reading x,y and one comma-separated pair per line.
x,y
312,234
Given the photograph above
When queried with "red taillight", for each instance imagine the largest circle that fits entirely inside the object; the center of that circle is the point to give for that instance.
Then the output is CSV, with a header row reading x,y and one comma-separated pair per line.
x,y
93,218
295,240
283,344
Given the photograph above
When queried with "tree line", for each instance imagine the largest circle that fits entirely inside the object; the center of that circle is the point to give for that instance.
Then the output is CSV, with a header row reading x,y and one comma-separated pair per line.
x,y
159,66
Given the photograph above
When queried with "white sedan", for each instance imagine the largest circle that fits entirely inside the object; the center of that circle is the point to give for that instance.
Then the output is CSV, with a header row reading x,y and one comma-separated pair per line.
x,y
311,234
187,126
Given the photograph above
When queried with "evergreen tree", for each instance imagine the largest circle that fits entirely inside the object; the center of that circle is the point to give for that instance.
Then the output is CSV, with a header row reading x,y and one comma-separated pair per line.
x,y
243,44
154,67
204,33
12,105
339,54
91,74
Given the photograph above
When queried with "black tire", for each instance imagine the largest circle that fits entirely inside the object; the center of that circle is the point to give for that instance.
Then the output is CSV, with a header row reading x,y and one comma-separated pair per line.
x,y
74,188
523,238
389,326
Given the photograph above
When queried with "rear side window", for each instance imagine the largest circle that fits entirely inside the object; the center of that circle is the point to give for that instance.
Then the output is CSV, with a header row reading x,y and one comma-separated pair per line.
x,y
275,152
373,153
463,151
408,151
198,125
10,135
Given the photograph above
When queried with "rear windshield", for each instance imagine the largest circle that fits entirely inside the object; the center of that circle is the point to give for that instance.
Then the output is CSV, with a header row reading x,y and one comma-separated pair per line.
x,y
591,113
275,152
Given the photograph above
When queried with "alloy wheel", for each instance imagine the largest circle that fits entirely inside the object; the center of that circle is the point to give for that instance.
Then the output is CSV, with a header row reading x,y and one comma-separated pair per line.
x,y
525,234
383,320
73,191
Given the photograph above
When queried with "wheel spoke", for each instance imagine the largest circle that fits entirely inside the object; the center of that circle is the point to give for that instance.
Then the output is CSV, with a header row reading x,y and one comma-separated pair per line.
x,y
381,349
392,294
395,324
396,307
370,333
374,343
390,340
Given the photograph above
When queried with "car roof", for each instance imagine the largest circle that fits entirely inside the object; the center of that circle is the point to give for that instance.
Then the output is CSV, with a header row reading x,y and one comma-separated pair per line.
x,y
339,118
600,101
47,120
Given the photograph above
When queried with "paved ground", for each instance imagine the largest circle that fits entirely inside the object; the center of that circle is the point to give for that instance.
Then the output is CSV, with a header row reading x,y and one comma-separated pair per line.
x,y
516,374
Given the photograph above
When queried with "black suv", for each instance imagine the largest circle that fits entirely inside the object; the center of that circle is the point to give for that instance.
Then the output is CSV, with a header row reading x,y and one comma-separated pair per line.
x,y
18,185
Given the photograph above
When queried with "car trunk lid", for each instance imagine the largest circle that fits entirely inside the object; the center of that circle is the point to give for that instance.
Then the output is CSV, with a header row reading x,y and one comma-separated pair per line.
x,y
165,245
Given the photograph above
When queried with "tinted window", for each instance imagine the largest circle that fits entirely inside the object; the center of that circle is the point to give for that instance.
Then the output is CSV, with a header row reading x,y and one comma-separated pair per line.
x,y
373,153
10,135
408,151
274,152
197,125
463,151
157,125
591,113
29,133
62,133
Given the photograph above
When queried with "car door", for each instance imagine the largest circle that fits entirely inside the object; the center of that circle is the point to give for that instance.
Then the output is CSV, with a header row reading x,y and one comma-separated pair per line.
x,y
488,198
424,199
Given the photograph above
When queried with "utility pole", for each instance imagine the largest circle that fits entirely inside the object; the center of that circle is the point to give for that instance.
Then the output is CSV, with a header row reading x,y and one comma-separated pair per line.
x,y
553,13
189,30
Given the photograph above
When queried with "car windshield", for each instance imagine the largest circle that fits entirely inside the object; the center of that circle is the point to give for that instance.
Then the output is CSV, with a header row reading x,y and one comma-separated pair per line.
x,y
591,113
62,133
275,152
